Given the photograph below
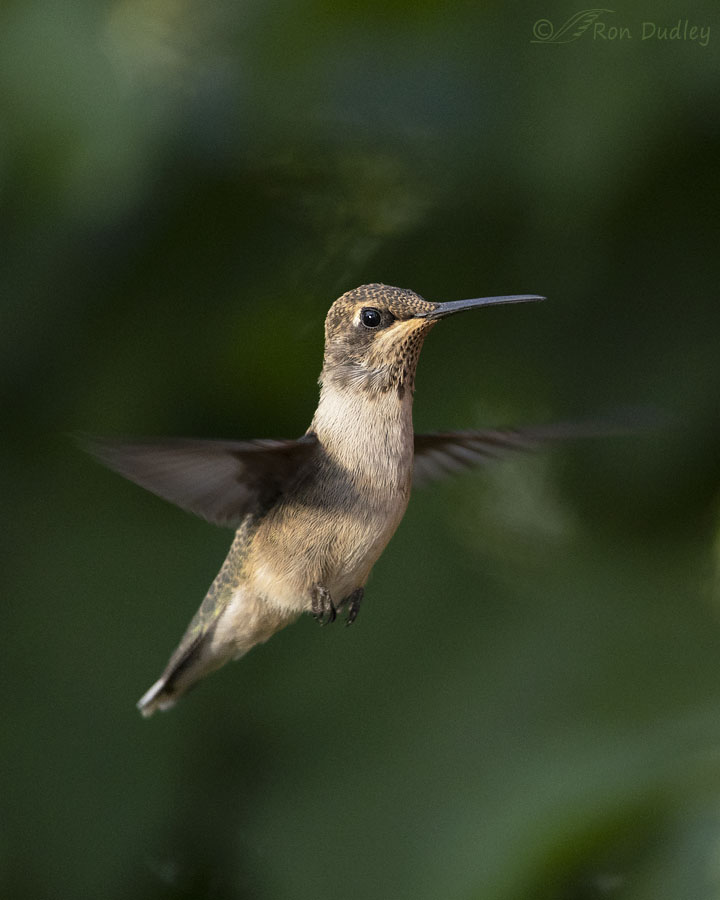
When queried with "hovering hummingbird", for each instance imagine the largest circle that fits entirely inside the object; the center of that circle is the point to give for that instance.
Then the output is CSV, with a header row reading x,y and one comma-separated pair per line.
x,y
314,514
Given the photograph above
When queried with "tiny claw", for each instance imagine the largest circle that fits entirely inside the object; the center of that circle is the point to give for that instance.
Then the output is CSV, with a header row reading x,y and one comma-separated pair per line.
x,y
322,605
354,601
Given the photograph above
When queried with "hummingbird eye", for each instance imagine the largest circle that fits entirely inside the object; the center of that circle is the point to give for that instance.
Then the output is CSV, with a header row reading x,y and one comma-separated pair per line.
x,y
370,317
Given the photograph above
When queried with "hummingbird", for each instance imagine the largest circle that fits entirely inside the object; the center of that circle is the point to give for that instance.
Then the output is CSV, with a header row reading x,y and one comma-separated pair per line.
x,y
313,514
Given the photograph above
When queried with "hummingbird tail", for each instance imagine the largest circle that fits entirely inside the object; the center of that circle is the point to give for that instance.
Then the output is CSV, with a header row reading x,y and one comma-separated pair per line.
x,y
156,698
193,660
241,624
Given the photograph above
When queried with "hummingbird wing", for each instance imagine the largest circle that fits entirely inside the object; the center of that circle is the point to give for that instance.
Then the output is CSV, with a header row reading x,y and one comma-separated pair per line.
x,y
220,481
445,452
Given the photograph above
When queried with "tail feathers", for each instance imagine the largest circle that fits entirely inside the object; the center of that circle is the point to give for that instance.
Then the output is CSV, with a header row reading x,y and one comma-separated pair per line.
x,y
195,658
158,697
204,649
191,661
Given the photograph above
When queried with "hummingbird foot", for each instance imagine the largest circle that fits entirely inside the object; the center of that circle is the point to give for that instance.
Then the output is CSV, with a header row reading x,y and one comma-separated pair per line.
x,y
323,607
353,602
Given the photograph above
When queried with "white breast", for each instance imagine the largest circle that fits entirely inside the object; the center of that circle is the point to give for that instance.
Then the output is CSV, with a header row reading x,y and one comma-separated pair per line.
x,y
368,439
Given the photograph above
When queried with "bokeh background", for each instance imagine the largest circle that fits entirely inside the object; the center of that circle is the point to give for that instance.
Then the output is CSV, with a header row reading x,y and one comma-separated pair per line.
x,y
529,705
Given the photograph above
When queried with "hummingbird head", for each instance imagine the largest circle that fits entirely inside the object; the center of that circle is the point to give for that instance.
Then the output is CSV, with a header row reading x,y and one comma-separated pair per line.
x,y
374,334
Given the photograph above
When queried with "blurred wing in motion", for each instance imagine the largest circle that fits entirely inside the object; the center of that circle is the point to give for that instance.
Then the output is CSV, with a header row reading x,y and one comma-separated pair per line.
x,y
218,480
443,453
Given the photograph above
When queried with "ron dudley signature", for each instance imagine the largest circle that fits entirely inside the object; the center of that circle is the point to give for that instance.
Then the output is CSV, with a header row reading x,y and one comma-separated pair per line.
x,y
598,25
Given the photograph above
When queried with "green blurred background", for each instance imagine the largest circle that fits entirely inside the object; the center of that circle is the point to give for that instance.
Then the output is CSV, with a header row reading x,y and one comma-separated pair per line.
x,y
529,705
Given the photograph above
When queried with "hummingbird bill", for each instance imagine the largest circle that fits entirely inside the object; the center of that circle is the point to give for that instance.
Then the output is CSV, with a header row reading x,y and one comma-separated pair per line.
x,y
312,515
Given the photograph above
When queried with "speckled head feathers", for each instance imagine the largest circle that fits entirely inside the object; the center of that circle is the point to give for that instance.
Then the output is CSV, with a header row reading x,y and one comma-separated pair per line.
x,y
399,302
373,338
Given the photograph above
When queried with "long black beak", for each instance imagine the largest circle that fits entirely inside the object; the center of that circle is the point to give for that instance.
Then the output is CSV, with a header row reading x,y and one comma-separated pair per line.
x,y
447,309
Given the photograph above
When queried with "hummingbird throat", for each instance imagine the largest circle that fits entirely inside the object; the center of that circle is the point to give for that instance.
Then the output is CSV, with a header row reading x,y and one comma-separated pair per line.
x,y
387,365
